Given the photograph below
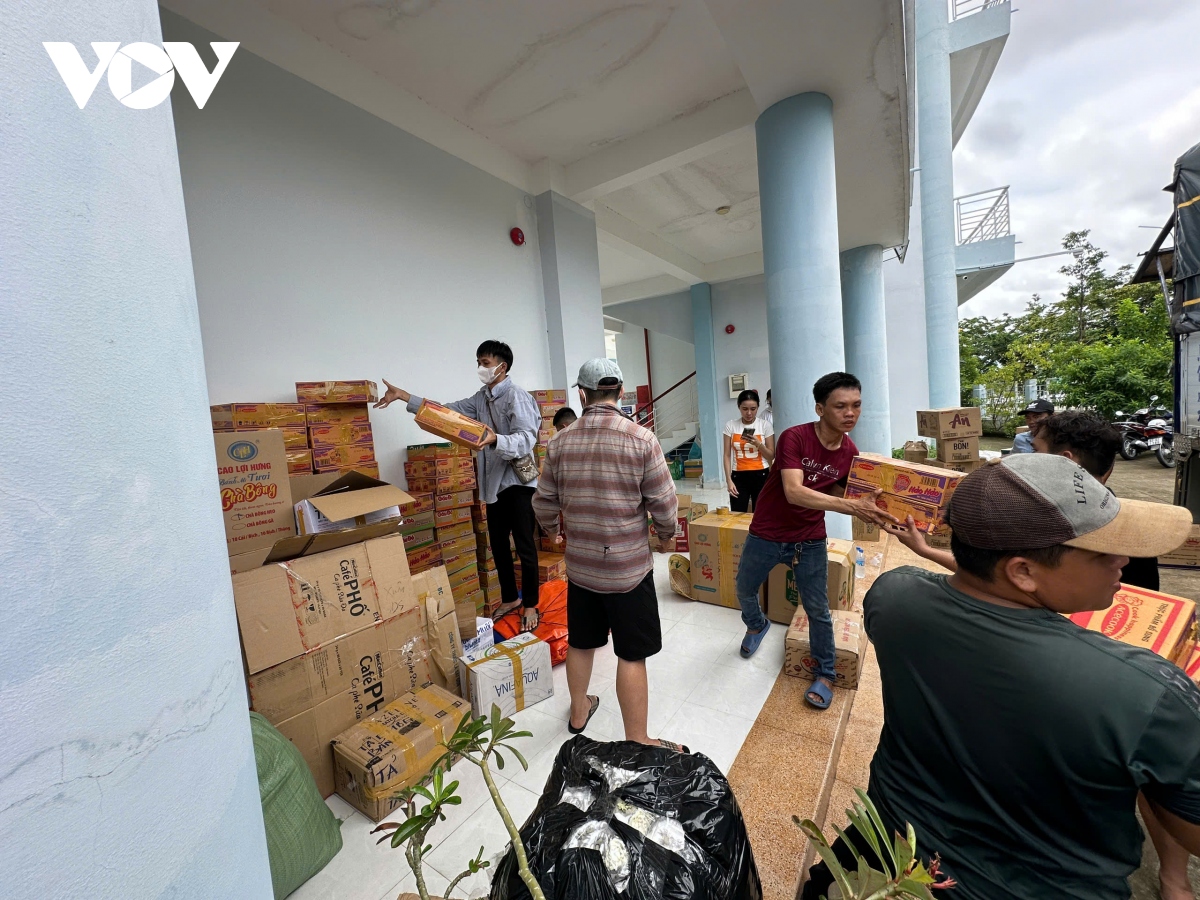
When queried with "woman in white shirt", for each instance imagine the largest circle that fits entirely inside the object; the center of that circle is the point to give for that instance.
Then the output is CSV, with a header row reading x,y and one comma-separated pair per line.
x,y
749,450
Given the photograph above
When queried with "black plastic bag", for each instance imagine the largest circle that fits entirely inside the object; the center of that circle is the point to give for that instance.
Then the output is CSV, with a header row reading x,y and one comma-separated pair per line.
x,y
625,820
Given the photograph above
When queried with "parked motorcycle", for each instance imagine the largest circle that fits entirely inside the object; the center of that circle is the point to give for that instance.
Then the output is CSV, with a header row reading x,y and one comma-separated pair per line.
x,y
1150,428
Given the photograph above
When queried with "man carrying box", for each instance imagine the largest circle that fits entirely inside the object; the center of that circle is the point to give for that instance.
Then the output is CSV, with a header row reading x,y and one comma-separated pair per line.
x,y
1015,742
808,477
513,420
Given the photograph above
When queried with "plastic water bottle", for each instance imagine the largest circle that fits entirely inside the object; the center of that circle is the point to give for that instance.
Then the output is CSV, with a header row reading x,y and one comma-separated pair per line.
x,y
860,562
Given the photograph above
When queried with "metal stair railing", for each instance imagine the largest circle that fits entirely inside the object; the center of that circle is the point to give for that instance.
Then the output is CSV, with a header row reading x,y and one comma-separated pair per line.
x,y
982,216
674,409
960,8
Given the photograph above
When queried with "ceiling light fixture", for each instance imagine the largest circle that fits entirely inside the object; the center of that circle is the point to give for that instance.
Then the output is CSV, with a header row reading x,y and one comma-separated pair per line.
x,y
722,210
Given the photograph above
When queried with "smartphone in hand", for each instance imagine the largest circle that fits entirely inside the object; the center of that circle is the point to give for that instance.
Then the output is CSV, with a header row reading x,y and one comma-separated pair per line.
x,y
747,434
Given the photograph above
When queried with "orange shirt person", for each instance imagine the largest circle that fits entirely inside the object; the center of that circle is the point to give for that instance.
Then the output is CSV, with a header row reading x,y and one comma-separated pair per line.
x,y
749,450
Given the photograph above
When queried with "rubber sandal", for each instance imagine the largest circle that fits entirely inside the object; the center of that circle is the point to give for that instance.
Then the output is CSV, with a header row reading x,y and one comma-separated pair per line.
x,y
505,609
537,622
591,712
671,745
823,691
751,642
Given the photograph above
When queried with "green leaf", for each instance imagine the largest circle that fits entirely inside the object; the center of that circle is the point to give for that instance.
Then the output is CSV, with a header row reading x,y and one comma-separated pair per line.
x,y
407,830
452,801
517,753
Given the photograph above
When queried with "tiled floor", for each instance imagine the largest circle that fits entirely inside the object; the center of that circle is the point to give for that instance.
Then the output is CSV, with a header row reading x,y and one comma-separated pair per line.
x,y
701,694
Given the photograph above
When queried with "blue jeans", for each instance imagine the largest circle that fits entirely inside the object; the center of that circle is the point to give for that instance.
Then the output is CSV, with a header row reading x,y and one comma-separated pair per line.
x,y
810,564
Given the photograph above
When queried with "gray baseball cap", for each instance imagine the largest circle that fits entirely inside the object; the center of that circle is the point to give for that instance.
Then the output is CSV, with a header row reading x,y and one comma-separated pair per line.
x,y
599,373
1030,501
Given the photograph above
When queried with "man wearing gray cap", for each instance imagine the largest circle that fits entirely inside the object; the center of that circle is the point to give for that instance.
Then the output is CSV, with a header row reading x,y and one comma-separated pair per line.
x,y
604,476
1015,741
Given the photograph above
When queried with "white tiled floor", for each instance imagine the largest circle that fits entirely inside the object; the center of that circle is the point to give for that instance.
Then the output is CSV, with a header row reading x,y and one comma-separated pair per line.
x,y
702,693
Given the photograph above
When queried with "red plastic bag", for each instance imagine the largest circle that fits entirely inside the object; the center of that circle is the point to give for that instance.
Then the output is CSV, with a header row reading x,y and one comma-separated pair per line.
x,y
552,607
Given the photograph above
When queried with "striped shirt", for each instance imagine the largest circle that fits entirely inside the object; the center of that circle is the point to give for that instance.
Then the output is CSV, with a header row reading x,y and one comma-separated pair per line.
x,y
605,474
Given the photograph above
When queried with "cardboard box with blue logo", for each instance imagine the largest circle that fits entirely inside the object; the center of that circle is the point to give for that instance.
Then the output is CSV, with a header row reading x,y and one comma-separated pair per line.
x,y
256,498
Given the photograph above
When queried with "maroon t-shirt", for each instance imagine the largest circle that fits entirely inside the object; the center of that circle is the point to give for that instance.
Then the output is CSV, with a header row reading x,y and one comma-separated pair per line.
x,y
799,448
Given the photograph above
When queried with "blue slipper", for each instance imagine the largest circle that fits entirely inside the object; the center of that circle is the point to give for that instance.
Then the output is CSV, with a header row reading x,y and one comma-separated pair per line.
x,y
823,691
751,642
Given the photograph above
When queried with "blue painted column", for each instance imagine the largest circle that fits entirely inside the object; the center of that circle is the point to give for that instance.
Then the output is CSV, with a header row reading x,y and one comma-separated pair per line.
x,y
935,147
798,190
865,325
800,251
706,384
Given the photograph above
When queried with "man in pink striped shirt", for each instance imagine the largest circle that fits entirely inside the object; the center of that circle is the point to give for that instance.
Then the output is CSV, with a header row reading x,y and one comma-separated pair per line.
x,y
604,475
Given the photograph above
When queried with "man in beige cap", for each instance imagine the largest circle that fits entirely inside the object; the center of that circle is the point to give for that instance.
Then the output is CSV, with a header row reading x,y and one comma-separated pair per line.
x,y
1014,741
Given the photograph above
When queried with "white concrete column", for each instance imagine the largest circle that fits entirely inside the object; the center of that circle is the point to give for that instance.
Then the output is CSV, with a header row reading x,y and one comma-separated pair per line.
x,y
712,445
571,282
864,322
128,767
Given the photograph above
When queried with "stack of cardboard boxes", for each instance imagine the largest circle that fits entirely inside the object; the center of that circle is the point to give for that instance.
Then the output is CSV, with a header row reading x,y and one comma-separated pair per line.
x,y
549,403
909,489
289,418
957,432
339,426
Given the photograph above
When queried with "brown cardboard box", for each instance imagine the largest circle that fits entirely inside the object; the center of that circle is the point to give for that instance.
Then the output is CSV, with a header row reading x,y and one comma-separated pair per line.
x,y
453,500
371,470
964,467
490,585
448,424
350,501
424,558
461,530
222,417
344,456
1192,665
911,481
421,503
337,391
319,414
939,538
448,518
436,601
294,437
783,599
460,561
716,549
863,532
958,449
268,415
465,611
916,451
467,575
411,524
443,484
256,497
551,566
1161,623
433,468
454,546
436,451
299,462
1186,556
394,749
290,608
1021,429
555,395
338,435
849,642
948,424
926,515
421,539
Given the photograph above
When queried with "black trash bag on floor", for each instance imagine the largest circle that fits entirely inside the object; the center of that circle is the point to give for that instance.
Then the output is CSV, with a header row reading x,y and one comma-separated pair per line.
x,y
625,820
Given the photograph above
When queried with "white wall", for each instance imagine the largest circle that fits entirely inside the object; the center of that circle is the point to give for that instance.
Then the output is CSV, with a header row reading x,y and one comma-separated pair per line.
x,y
127,769
671,360
329,244
904,300
743,304
631,356
670,314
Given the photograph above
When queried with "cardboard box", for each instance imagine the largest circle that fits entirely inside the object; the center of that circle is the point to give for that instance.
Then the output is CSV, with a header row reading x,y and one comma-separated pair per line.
x,y
448,424
343,456
337,391
294,438
912,481
489,583
394,749
455,531
423,558
299,462
783,599
550,396
484,639
320,414
454,500
1021,429
1192,665
289,608
436,451
456,519
965,467
443,484
948,424
419,540
849,642
465,611
926,515
222,417
454,546
421,503
256,497
268,415
339,435
412,523
351,501
1186,556
716,550
693,468
682,522
1161,623
371,470
939,538
513,675
545,433
864,532
963,449
916,451
551,566
436,602
468,575
459,561
432,468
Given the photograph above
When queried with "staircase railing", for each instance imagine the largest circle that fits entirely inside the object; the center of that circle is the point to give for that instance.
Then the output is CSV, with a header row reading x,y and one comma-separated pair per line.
x,y
960,8
982,216
673,409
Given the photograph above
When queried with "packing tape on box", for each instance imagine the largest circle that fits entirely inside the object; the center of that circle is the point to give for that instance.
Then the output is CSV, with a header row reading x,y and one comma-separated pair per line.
x,y
417,765
518,671
297,583
406,747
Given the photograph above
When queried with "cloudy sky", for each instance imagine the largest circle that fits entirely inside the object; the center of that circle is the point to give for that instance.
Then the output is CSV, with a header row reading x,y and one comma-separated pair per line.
x,y
1092,102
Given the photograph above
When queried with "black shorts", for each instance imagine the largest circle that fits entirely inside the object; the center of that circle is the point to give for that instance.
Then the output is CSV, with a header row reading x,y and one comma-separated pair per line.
x,y
632,617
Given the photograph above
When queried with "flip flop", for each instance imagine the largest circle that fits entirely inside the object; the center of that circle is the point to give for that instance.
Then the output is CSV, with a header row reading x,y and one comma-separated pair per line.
x,y
751,641
591,712
505,609
671,745
824,693
536,623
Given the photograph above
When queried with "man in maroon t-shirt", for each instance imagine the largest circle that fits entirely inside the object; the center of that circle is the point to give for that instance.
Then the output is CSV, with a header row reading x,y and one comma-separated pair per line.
x,y
808,477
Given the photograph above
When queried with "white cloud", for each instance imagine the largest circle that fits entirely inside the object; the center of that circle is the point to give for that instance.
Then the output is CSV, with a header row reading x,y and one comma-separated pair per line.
x,y
1091,104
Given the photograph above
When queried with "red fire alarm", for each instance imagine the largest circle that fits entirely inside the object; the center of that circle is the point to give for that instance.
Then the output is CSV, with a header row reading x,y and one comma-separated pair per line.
x,y
518,236
729,329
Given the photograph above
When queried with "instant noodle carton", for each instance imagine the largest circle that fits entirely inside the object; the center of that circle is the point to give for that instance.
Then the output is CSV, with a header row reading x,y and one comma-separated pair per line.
x,y
926,515
716,543
964,449
336,414
337,391
901,478
299,462
1187,555
435,451
336,435
1161,623
454,499
269,415
341,457
442,484
434,468
451,425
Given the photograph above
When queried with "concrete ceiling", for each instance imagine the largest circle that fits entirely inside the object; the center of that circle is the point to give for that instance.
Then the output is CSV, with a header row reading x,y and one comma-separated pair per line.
x,y
643,110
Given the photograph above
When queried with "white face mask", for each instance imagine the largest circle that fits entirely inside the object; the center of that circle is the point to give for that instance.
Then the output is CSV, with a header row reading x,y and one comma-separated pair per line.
x,y
486,375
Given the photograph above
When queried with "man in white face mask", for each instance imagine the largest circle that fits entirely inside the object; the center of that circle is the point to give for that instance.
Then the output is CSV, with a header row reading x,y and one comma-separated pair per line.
x,y
513,417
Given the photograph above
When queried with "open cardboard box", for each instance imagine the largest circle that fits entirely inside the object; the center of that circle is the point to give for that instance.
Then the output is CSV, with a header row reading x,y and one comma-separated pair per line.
x,y
349,501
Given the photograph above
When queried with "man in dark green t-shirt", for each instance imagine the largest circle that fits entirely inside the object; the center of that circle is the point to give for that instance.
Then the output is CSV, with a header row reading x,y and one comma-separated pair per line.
x,y
1014,741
